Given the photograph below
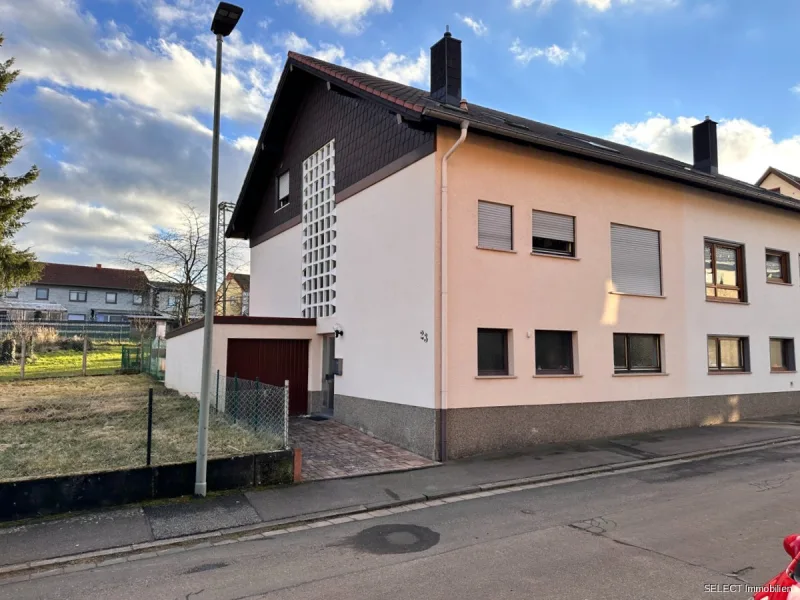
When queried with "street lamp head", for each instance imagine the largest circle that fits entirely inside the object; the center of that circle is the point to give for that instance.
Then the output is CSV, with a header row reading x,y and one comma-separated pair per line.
x,y
225,18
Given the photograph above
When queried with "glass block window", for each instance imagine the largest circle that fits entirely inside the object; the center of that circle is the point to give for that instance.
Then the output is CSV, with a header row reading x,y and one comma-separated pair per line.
x,y
319,234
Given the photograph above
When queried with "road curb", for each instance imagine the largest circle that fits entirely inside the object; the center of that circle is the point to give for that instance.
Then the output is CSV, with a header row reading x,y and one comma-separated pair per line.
x,y
77,562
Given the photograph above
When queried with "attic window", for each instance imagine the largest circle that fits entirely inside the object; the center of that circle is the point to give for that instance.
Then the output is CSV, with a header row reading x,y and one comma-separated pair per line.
x,y
589,142
283,190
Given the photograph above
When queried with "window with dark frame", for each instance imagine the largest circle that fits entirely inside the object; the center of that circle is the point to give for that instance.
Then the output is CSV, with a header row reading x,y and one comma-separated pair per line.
x,y
283,190
553,234
138,299
76,317
12,293
492,352
728,354
77,296
42,294
781,355
637,353
111,297
724,265
554,354
778,268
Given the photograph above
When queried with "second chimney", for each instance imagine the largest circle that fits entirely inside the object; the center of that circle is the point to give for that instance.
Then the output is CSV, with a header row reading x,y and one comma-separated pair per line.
x,y
704,144
446,70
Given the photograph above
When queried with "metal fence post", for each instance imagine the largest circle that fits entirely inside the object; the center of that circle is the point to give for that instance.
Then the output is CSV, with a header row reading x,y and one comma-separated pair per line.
x,y
85,351
22,359
286,414
149,424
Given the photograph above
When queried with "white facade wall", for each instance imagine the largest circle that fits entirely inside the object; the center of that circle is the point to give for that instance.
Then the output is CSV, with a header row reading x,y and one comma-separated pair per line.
x,y
184,362
276,276
185,353
771,310
385,289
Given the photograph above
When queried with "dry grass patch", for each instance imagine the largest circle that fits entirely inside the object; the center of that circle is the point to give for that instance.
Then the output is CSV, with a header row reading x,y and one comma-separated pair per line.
x,y
79,425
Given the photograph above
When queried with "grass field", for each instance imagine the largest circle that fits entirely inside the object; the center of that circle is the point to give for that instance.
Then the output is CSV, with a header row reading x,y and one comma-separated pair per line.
x,y
104,359
84,424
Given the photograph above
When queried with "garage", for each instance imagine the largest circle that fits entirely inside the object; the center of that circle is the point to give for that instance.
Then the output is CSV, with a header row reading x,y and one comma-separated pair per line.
x,y
273,361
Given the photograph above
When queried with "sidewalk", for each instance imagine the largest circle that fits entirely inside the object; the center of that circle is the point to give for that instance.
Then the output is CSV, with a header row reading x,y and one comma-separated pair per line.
x,y
49,539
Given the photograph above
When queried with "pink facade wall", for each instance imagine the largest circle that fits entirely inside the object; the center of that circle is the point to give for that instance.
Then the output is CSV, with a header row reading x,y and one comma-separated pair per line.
x,y
523,292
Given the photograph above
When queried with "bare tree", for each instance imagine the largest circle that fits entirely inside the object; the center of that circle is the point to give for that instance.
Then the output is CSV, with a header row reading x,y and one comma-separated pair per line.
x,y
178,256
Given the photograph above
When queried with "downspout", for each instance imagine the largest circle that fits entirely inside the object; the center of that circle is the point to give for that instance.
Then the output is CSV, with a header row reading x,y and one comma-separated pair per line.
x,y
443,289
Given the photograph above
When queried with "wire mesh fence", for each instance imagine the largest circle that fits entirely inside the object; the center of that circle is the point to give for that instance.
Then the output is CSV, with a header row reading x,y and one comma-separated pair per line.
x,y
258,407
39,356
101,423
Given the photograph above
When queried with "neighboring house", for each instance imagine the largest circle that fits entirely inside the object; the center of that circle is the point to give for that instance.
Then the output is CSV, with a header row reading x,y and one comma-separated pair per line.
x,y
168,300
236,299
78,293
458,280
779,181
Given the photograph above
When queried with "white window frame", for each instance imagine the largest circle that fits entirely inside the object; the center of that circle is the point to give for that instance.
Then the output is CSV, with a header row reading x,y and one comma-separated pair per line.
x,y
282,200
140,301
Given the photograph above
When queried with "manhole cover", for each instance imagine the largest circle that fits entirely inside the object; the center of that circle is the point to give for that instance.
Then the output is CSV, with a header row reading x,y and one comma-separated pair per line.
x,y
393,539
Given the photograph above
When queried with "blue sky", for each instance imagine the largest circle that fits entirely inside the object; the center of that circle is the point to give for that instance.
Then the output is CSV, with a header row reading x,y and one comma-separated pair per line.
x,y
115,95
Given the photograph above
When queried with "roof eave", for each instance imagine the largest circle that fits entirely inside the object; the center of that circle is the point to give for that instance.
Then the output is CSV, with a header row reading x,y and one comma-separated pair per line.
x,y
409,111
689,178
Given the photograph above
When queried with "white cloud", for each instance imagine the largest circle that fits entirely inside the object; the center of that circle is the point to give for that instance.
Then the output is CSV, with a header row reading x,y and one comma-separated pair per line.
x,y
555,54
346,15
245,143
542,4
599,5
164,75
396,67
477,25
121,171
745,149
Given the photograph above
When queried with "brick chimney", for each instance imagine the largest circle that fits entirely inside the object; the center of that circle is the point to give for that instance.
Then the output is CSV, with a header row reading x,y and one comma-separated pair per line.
x,y
99,266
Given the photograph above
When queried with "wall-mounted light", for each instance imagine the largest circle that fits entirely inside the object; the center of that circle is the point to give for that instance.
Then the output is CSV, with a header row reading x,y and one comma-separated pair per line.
x,y
338,331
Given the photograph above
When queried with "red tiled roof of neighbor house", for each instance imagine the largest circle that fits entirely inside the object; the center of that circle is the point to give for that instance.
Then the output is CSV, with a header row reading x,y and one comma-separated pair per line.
x,y
92,277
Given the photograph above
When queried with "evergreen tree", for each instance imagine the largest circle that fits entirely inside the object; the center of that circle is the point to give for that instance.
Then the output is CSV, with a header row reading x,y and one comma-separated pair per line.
x,y
17,267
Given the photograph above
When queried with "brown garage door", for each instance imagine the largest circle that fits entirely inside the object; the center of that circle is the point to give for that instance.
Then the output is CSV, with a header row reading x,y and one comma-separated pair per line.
x,y
273,362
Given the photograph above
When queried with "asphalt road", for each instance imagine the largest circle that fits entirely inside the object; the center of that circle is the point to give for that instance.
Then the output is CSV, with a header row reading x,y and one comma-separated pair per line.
x,y
664,533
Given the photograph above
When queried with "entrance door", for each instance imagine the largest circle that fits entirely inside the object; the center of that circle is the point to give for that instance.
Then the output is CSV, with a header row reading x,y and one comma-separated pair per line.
x,y
328,354
273,362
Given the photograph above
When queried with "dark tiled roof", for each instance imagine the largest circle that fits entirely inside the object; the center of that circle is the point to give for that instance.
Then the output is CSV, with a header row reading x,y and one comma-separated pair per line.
x,y
793,179
242,280
506,125
169,286
92,277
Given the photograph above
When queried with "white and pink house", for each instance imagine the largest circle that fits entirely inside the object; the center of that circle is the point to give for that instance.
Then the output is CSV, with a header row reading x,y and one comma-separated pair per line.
x,y
457,280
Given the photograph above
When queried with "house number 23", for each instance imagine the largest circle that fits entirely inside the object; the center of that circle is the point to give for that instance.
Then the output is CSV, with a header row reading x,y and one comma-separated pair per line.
x,y
423,336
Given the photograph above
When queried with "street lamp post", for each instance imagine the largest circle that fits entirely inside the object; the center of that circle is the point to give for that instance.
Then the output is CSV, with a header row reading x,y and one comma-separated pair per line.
x,y
225,19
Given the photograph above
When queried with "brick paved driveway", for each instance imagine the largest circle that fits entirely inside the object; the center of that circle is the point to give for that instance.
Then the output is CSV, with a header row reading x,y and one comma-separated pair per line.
x,y
332,450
